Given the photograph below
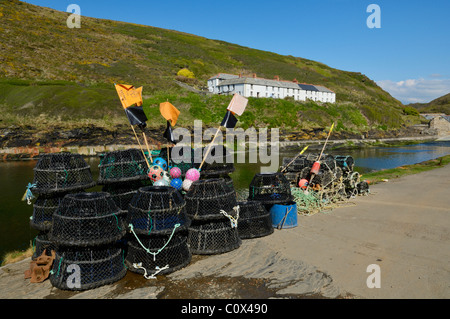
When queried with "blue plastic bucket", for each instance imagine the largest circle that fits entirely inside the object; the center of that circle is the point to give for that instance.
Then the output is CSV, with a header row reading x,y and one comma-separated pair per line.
x,y
284,215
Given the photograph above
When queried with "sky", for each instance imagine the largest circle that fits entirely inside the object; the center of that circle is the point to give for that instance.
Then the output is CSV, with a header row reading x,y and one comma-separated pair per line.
x,y
408,55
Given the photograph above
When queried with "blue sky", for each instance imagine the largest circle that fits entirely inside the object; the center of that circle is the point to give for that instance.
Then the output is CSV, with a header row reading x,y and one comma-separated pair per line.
x,y
409,56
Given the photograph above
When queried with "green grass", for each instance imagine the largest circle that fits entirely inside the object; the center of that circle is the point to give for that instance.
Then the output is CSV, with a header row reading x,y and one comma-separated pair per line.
x,y
387,174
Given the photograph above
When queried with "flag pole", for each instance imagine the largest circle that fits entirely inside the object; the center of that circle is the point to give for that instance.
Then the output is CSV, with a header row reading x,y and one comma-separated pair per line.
x,y
209,148
323,148
148,148
294,159
140,145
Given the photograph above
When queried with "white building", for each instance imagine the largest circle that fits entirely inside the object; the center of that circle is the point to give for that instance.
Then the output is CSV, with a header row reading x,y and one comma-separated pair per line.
x,y
223,83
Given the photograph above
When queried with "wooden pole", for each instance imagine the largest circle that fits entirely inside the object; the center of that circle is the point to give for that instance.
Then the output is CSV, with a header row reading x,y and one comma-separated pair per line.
x,y
142,150
323,148
148,148
209,148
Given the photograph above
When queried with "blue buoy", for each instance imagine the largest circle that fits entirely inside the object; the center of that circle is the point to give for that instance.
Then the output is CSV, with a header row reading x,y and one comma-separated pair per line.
x,y
284,215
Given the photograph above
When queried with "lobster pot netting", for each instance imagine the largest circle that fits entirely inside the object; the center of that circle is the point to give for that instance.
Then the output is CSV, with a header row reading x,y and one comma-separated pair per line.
x,y
41,244
160,254
323,178
210,199
83,268
346,163
123,193
219,161
122,166
295,165
157,210
254,220
213,237
270,188
182,157
43,209
61,172
87,219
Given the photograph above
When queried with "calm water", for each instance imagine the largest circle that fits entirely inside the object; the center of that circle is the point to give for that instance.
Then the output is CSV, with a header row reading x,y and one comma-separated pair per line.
x,y
16,234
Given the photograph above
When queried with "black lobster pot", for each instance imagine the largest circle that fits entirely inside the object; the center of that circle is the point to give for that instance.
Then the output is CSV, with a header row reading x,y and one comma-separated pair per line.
x,y
43,209
161,254
87,219
323,178
346,163
209,199
123,193
219,161
295,165
254,220
270,188
61,173
83,268
210,237
122,166
42,243
156,210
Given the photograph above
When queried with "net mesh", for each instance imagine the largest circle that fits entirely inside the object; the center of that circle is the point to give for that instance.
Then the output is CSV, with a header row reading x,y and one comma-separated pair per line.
x,y
254,220
96,266
163,251
208,199
42,243
43,209
123,193
156,210
270,188
61,172
122,166
87,219
209,237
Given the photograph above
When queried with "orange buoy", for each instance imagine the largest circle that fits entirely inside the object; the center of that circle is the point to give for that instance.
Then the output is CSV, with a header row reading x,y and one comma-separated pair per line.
x,y
303,183
315,168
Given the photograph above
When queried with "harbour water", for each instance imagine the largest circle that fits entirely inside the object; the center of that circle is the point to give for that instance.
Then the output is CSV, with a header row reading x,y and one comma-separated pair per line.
x,y
16,233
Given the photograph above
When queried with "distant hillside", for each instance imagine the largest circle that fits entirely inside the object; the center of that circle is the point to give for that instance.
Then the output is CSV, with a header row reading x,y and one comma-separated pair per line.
x,y
439,105
49,70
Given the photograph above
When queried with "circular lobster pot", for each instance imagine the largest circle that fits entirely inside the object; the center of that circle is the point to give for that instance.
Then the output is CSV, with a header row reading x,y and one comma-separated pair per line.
x,y
122,166
61,172
270,188
210,237
161,251
181,157
208,199
219,161
156,210
83,268
254,220
41,244
123,193
43,209
87,219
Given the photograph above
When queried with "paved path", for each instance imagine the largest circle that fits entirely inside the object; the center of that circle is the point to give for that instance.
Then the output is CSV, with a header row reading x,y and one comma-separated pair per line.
x,y
403,226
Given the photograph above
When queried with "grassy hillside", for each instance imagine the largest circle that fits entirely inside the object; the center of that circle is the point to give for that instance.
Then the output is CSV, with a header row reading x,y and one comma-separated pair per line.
x,y
439,105
50,71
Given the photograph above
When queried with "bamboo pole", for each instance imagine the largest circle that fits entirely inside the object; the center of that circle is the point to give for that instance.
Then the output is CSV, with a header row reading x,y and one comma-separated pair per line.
x,y
209,148
140,145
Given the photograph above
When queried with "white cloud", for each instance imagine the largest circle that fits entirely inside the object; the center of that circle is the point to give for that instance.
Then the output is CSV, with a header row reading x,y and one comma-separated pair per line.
x,y
416,90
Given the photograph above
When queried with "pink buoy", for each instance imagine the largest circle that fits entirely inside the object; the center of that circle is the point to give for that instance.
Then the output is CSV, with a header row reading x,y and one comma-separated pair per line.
x,y
175,172
193,174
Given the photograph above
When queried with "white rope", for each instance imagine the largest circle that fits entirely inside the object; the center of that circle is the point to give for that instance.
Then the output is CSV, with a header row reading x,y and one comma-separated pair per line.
x,y
159,250
234,221
158,270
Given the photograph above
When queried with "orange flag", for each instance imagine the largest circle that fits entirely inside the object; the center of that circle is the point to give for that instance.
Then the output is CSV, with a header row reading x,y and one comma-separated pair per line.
x,y
129,95
238,104
169,112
